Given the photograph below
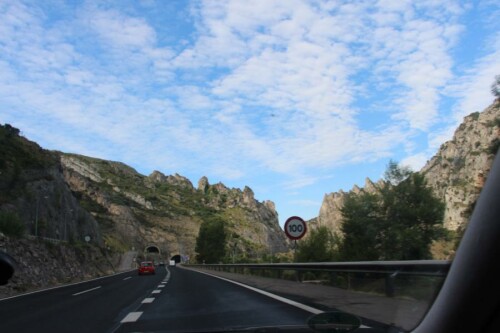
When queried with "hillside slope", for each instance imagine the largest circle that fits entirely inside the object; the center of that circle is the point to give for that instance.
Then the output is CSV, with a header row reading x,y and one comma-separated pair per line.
x,y
82,214
459,169
68,197
456,173
135,210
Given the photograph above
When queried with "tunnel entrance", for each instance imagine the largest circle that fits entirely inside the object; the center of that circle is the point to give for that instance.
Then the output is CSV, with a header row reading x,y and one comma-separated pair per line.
x,y
153,253
152,249
176,258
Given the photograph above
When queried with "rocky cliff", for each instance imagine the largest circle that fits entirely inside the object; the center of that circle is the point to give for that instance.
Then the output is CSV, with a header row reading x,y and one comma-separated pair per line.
x,y
66,210
456,173
136,211
46,263
330,214
33,189
243,213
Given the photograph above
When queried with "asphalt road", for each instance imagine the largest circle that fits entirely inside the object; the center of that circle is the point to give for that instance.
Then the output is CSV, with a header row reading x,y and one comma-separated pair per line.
x,y
174,299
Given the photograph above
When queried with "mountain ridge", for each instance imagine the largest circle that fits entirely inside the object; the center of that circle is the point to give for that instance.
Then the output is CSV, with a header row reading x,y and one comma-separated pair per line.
x,y
456,173
74,208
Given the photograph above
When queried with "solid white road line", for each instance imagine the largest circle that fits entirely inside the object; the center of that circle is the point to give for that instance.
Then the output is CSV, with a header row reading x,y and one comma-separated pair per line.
x,y
268,294
148,300
86,291
156,291
276,297
131,317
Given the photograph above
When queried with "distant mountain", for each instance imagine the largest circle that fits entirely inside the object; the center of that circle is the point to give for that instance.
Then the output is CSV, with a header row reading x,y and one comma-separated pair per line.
x,y
136,210
82,213
456,173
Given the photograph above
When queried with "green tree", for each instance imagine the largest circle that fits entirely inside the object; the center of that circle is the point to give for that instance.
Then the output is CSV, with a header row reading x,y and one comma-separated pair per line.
x,y
395,174
211,241
320,246
399,222
413,218
361,227
495,87
11,225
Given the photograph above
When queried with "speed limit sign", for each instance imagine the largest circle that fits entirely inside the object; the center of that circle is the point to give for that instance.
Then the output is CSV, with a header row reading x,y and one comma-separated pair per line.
x,y
295,228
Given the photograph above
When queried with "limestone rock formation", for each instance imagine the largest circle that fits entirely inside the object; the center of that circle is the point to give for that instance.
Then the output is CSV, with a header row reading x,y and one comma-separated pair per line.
x,y
330,214
109,208
456,173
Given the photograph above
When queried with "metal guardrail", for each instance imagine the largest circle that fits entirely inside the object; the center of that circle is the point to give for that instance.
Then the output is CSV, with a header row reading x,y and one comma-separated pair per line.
x,y
390,270
48,239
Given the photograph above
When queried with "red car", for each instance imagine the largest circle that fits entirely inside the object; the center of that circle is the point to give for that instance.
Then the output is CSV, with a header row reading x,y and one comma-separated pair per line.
x,y
146,267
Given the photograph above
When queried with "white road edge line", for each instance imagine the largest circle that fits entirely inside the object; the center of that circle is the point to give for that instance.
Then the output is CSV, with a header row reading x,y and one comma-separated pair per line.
x,y
131,317
268,294
148,300
86,291
276,297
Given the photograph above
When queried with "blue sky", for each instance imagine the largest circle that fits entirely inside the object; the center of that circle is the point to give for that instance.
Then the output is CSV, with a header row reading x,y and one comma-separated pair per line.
x,y
295,99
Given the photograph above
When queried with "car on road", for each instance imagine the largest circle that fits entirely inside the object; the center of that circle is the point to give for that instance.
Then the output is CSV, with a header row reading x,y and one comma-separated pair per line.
x,y
146,267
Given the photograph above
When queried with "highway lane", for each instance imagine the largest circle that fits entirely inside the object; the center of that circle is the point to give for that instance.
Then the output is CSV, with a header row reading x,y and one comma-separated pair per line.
x,y
95,306
192,301
174,299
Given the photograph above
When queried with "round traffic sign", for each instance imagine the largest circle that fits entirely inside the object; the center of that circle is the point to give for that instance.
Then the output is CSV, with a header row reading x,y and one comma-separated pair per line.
x,y
295,228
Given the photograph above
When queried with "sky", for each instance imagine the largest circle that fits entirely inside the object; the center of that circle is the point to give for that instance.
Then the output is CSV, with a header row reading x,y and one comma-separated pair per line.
x,y
295,99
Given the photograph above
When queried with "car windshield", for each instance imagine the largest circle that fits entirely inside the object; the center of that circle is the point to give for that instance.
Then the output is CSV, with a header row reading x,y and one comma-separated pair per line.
x,y
239,165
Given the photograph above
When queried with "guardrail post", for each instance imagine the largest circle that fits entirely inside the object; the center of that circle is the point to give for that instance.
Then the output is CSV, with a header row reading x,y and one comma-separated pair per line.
x,y
390,289
333,278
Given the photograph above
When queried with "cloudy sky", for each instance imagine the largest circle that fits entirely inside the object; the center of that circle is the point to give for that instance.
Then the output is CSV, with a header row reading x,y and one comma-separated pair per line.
x,y
293,98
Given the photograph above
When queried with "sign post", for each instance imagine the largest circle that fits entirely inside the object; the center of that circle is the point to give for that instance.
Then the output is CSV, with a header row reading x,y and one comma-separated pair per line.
x,y
295,228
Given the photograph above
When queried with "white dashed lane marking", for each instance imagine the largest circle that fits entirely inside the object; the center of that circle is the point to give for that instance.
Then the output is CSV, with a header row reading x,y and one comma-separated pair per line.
x,y
134,316
86,291
131,317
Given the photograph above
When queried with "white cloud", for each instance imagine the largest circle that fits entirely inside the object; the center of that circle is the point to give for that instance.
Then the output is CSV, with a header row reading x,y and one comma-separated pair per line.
x,y
263,85
300,182
121,31
416,52
306,203
297,62
415,162
472,91
474,88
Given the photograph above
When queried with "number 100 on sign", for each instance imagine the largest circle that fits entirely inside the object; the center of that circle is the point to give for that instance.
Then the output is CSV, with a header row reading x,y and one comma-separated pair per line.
x,y
295,228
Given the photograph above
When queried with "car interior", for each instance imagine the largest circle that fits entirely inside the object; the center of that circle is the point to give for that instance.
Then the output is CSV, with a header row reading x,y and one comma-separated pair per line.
x,y
469,300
